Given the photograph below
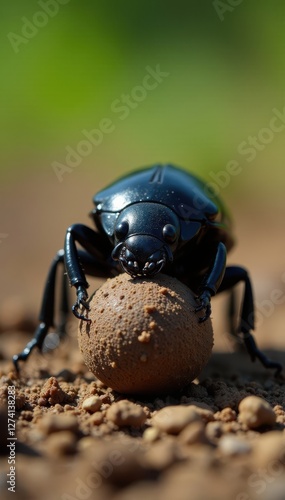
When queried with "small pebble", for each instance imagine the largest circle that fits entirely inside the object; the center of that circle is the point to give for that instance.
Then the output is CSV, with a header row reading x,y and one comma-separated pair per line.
x,y
172,419
255,412
233,445
194,433
214,431
96,418
125,413
151,434
205,411
92,404
86,443
162,454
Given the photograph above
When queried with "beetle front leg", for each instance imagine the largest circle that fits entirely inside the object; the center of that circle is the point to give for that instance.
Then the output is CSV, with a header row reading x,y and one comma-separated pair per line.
x,y
212,282
96,247
204,300
81,302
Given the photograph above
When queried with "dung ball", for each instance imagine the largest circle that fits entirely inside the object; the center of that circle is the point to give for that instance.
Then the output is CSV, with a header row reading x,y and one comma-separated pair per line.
x,y
144,335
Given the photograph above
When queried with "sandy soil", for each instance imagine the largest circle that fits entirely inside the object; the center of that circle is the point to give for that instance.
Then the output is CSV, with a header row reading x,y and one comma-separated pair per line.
x,y
77,439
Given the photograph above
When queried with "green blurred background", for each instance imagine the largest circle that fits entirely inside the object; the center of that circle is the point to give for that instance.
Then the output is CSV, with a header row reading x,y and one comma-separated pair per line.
x,y
67,65
225,76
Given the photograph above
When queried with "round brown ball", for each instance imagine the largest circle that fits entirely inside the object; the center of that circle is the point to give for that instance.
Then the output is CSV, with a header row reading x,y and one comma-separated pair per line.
x,y
144,335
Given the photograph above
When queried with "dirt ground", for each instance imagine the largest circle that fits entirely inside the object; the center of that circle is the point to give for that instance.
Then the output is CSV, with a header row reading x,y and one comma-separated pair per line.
x,y
222,437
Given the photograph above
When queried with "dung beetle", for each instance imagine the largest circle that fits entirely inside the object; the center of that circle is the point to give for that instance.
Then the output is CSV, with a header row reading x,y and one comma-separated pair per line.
x,y
154,219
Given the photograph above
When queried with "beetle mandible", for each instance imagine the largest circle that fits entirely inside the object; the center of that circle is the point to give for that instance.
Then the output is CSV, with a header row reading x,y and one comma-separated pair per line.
x,y
154,219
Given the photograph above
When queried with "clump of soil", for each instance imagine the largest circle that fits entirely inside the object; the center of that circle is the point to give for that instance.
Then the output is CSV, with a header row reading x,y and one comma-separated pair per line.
x,y
144,336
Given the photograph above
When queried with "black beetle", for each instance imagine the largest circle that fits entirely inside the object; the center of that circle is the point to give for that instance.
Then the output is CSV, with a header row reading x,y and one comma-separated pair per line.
x,y
157,218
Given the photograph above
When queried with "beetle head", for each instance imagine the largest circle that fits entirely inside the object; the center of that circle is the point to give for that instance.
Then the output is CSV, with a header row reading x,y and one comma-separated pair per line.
x,y
146,234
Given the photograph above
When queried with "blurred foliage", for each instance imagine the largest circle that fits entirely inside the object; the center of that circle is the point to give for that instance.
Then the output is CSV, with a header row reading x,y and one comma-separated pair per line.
x,y
225,77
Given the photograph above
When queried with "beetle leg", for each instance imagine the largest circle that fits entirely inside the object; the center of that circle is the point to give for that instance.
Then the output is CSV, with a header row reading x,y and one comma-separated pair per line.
x,y
96,246
82,297
205,303
46,318
254,353
234,275
99,267
212,282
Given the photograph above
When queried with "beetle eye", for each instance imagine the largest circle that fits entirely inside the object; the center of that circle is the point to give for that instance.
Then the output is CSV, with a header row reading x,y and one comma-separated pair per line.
x,y
169,233
121,230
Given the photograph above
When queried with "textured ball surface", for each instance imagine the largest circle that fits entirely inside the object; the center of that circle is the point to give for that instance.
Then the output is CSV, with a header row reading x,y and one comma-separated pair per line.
x,y
144,336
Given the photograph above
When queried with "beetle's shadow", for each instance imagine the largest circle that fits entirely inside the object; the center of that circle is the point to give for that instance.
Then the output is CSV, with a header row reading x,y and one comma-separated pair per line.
x,y
232,365
234,369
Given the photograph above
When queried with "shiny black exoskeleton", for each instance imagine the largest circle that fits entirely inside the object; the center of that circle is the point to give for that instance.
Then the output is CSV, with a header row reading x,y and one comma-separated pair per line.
x,y
155,219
